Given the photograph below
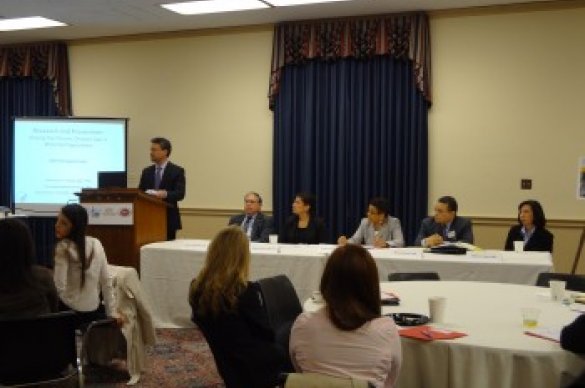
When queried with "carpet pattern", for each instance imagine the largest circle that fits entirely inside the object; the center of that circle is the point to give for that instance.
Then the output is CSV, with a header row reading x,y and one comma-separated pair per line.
x,y
181,358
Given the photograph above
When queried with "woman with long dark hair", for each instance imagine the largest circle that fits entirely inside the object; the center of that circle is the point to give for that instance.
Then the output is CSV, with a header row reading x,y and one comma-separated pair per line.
x,y
26,289
348,337
531,228
81,268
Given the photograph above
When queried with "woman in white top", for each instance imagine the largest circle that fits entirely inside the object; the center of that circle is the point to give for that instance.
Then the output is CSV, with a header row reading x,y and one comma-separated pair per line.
x,y
348,337
378,229
81,268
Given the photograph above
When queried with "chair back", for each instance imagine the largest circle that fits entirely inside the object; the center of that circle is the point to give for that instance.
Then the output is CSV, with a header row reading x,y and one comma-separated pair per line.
x,y
574,282
102,342
37,349
281,300
407,276
317,380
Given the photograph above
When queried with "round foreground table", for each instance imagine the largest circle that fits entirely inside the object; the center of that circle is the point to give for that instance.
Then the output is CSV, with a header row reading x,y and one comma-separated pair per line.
x,y
495,352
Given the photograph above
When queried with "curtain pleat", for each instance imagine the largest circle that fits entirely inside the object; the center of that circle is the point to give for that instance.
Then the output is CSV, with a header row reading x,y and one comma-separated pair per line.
x,y
349,130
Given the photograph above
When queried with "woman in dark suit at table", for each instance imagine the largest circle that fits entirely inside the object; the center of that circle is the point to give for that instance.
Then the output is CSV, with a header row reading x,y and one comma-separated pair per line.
x,y
26,290
530,229
230,311
303,227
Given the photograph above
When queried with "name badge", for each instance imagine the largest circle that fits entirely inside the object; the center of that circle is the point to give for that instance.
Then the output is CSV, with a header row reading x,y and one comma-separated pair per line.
x,y
451,234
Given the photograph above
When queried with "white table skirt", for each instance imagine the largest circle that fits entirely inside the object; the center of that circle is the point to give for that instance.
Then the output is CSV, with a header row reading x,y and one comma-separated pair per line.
x,y
167,268
496,352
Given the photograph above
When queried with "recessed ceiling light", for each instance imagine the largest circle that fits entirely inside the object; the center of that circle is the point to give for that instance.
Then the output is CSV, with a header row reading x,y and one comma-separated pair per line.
x,y
283,3
213,6
28,23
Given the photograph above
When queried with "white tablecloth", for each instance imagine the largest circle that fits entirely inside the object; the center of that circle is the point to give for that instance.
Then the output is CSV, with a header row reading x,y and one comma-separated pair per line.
x,y
167,268
496,352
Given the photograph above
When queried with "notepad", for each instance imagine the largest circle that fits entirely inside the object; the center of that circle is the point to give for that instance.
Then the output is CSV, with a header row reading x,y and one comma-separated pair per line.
x,y
428,333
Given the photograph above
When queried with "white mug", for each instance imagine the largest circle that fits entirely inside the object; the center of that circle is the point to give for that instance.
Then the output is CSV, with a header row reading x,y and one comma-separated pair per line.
x,y
273,238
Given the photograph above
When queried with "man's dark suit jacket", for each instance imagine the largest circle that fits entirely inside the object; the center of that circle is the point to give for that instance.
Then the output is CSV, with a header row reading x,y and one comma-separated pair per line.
x,y
262,227
461,226
541,240
173,181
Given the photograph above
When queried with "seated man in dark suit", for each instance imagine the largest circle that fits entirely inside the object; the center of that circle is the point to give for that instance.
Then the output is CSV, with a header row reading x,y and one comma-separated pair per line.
x,y
256,225
166,181
444,226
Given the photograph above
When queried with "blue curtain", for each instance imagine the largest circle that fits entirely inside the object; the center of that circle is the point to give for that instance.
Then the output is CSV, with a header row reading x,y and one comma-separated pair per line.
x,y
349,130
25,96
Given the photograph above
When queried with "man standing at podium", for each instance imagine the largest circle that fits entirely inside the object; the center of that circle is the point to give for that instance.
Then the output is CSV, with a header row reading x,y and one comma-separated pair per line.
x,y
166,181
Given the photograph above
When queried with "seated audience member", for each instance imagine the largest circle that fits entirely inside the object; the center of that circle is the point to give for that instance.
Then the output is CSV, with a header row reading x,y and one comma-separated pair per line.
x,y
230,311
253,222
26,290
530,229
573,340
303,227
378,229
81,268
446,225
348,337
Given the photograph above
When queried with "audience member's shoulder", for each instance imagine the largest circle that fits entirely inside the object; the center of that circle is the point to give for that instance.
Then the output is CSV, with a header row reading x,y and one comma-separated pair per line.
x,y
41,272
384,326
310,318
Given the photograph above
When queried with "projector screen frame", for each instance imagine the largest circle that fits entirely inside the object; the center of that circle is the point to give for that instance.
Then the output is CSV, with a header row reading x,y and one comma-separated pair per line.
x,y
51,209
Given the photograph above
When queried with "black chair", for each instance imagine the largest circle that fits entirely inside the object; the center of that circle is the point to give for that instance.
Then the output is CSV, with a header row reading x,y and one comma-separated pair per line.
x,y
574,282
102,342
39,351
281,301
407,276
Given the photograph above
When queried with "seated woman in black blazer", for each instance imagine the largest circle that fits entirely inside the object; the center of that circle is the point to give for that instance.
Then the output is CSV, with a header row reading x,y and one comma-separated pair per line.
x,y
530,229
230,312
303,227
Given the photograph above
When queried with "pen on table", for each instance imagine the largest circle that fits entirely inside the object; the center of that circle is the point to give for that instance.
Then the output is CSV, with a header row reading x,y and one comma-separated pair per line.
x,y
427,334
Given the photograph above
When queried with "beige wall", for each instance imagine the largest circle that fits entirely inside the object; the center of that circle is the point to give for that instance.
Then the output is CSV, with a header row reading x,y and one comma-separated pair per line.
x,y
508,88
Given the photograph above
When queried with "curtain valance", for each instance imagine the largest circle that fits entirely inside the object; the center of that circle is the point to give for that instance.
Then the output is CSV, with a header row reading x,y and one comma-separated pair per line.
x,y
41,61
402,36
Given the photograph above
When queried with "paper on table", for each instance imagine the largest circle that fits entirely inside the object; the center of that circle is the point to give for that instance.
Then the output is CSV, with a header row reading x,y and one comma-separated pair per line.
x,y
428,333
547,333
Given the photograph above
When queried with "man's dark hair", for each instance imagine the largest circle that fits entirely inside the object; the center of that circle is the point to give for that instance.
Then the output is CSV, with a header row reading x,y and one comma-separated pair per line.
x,y
164,144
450,202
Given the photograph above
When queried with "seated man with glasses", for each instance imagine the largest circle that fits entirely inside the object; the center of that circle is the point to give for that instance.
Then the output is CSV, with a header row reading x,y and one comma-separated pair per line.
x,y
255,225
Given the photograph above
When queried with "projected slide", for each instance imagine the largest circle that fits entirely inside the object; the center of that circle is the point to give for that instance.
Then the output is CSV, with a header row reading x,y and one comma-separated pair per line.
x,y
55,158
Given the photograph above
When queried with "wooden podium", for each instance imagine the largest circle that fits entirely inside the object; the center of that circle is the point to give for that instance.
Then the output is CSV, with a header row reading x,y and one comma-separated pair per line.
x,y
124,220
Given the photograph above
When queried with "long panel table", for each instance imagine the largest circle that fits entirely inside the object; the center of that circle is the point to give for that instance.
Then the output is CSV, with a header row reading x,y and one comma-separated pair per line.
x,y
495,352
167,269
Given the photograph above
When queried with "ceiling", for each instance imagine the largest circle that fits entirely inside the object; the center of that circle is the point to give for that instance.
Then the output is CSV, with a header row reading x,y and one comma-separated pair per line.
x,y
102,18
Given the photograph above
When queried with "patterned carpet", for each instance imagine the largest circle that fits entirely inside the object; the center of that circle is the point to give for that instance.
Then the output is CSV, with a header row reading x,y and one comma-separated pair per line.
x,y
181,359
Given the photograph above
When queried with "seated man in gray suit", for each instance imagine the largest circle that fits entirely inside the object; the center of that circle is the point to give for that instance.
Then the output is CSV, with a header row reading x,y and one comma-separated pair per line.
x,y
444,226
255,224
